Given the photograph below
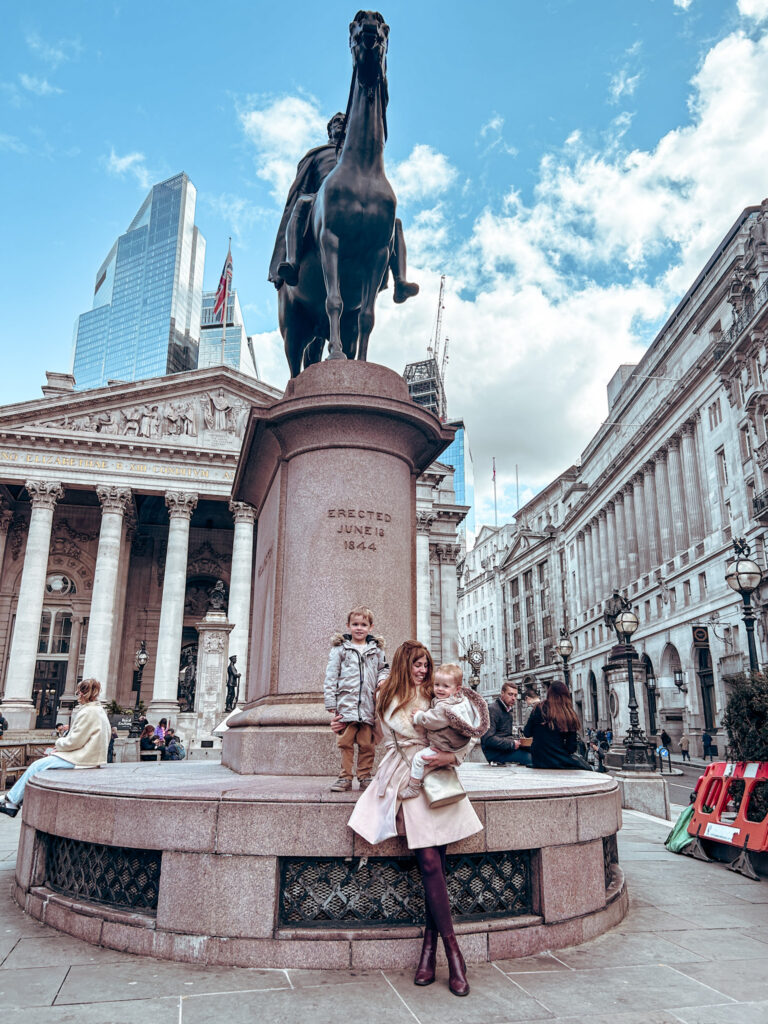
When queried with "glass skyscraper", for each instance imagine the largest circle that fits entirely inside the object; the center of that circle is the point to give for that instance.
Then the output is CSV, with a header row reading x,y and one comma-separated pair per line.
x,y
458,455
145,320
238,348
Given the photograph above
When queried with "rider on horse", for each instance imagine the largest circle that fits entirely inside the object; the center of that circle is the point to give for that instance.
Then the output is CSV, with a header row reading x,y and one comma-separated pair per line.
x,y
312,170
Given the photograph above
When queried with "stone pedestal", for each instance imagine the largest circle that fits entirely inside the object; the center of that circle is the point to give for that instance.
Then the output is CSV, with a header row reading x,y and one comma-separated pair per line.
x,y
644,791
331,468
212,658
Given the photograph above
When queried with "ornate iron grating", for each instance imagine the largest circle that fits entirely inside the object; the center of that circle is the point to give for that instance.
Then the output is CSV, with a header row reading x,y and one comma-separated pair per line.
x,y
610,857
115,875
322,891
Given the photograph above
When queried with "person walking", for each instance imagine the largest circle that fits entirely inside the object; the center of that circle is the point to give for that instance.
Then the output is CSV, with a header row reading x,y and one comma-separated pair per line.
x,y
685,744
706,743
380,813
666,739
553,727
84,746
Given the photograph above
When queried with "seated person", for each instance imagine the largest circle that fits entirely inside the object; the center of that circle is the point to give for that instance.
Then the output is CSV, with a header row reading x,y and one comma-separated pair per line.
x,y
553,727
148,741
174,747
499,744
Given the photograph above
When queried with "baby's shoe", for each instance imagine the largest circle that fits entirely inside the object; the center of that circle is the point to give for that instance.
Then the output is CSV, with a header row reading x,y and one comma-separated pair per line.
x,y
411,790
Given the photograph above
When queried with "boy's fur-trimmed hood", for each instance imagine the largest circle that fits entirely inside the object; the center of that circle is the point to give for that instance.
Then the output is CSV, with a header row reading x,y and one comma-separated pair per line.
x,y
339,638
481,719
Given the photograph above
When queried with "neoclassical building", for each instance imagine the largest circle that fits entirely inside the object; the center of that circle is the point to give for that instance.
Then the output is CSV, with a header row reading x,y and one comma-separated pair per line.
x,y
116,520
678,469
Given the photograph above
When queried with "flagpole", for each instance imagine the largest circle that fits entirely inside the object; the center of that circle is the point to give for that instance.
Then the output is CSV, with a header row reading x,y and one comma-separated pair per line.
x,y
495,509
226,300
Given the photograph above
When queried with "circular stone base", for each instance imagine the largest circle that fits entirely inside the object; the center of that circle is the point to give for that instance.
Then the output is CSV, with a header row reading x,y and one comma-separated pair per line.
x,y
194,862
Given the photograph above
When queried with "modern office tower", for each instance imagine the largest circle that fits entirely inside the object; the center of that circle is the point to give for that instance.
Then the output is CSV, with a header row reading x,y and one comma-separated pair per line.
x,y
458,455
425,385
145,320
238,348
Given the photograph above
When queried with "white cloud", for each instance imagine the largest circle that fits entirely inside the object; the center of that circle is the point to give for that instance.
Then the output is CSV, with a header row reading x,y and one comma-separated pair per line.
x,y
684,4
131,163
622,84
39,86
11,144
56,53
282,130
491,134
239,213
755,9
423,174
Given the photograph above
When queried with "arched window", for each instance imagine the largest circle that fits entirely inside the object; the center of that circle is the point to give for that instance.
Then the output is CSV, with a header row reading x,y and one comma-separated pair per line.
x,y
45,633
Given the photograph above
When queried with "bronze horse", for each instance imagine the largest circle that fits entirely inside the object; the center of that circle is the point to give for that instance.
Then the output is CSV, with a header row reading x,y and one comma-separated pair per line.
x,y
351,230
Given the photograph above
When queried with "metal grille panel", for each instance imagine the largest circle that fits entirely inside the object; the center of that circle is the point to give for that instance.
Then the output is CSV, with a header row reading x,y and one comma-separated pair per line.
x,y
323,891
610,857
115,875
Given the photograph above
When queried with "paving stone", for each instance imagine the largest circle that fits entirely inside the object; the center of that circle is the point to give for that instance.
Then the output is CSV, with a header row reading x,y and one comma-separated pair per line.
x,y
372,1001
628,950
310,979
733,1013
617,989
721,943
744,980
135,1011
541,962
52,950
30,987
494,998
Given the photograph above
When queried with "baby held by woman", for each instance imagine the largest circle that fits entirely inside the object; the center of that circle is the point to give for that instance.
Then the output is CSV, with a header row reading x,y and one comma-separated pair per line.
x,y
457,714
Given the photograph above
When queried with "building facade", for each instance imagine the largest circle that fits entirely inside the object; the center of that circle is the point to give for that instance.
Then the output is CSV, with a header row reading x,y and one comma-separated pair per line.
x,y
238,347
458,455
145,318
676,472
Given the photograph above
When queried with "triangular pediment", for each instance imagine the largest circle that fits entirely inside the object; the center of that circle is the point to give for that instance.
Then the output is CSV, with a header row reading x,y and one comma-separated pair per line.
x,y
205,408
523,540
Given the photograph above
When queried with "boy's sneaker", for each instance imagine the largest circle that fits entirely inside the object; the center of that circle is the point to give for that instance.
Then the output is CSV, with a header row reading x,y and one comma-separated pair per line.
x,y
341,785
365,782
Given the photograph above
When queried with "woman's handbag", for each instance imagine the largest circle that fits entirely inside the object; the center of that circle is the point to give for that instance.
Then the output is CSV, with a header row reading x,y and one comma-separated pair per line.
x,y
442,787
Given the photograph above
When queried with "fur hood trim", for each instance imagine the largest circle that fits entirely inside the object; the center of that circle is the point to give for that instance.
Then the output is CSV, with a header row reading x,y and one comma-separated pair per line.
x,y
480,709
339,638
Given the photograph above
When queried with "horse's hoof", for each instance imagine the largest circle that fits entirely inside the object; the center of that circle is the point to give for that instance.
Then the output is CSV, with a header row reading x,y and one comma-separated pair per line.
x,y
289,273
404,290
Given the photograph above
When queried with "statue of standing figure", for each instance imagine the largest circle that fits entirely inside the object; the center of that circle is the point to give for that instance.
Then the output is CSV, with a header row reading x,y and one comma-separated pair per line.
x,y
614,606
233,684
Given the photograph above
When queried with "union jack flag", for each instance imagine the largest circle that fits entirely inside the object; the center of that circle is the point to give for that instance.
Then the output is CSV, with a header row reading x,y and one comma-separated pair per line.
x,y
222,292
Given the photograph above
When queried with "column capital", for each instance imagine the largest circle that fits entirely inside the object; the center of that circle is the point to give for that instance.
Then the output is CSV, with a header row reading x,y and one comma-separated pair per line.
x,y
181,504
242,512
660,456
673,444
649,467
114,499
609,506
618,498
637,480
424,521
628,490
602,514
688,428
44,493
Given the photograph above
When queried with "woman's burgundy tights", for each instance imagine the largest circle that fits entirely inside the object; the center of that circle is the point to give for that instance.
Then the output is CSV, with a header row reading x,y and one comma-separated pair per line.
x,y
431,861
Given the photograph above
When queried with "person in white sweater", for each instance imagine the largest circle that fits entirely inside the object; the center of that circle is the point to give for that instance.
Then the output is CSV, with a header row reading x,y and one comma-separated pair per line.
x,y
84,746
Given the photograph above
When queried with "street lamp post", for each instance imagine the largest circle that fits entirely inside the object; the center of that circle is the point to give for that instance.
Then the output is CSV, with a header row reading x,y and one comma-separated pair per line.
x,y
637,756
565,650
744,575
141,660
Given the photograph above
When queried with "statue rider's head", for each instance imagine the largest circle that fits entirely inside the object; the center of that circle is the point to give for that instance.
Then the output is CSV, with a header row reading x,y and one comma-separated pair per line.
x,y
336,128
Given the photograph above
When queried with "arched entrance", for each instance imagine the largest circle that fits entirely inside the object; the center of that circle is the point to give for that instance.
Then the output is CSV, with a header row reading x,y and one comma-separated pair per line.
x,y
705,672
53,648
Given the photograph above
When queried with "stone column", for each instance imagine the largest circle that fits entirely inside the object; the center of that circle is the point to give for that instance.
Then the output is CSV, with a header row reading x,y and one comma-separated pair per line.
x,y
588,576
613,554
621,539
20,674
181,505
638,486
448,554
581,569
98,648
239,611
665,508
602,549
693,502
630,523
677,494
68,698
652,515
212,658
6,515
597,575
424,521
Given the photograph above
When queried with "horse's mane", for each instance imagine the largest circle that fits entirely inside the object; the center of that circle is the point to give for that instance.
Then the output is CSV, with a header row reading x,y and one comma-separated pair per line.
x,y
384,93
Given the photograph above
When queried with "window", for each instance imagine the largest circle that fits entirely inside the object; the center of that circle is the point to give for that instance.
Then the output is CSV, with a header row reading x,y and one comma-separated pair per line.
x,y
659,605
745,443
45,629
542,572
647,607
62,629
528,580
514,587
672,599
722,467
686,592
715,414
702,585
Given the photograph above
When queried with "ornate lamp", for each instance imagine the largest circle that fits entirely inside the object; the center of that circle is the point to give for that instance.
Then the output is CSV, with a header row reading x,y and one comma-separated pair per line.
x,y
637,756
141,660
744,576
565,650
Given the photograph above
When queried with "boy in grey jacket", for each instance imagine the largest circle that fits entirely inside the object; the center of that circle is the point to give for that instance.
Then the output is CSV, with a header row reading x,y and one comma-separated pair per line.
x,y
356,666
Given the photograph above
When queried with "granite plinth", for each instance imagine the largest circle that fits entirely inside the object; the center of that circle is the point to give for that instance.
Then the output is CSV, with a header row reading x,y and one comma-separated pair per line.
x,y
224,834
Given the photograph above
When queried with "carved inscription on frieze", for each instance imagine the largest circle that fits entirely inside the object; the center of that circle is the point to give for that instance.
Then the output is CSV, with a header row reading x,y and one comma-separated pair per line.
x,y
360,529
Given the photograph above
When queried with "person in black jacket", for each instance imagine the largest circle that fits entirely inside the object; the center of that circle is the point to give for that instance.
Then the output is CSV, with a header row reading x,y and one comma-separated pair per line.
x,y
554,727
499,743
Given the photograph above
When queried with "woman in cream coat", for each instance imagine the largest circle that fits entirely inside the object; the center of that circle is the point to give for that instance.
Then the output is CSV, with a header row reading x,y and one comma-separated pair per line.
x,y
84,746
380,814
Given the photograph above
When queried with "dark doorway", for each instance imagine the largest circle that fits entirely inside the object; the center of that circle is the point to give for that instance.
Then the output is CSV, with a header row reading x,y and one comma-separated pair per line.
x,y
707,683
650,694
50,677
593,700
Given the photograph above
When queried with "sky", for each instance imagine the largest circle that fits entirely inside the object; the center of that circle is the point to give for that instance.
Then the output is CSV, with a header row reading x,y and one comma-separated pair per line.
x,y
569,166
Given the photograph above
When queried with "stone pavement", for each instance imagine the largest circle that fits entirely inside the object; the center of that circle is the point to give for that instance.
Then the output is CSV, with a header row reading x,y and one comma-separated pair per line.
x,y
692,950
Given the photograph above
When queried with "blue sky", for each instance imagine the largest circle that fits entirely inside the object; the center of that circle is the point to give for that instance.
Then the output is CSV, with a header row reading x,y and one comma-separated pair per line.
x,y
569,165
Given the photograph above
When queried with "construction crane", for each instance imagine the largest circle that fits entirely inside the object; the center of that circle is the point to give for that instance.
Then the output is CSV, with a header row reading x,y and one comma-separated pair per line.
x,y
433,349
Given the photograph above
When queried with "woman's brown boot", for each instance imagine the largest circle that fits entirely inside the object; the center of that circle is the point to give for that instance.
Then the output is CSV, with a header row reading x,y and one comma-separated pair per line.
x,y
425,972
457,969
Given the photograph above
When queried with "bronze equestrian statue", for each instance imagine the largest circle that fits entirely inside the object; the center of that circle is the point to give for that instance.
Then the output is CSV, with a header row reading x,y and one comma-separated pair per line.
x,y
339,233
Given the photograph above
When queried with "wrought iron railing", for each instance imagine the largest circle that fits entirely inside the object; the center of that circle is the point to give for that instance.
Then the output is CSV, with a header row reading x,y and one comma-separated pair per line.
x,y
740,322
385,891
760,504
115,875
